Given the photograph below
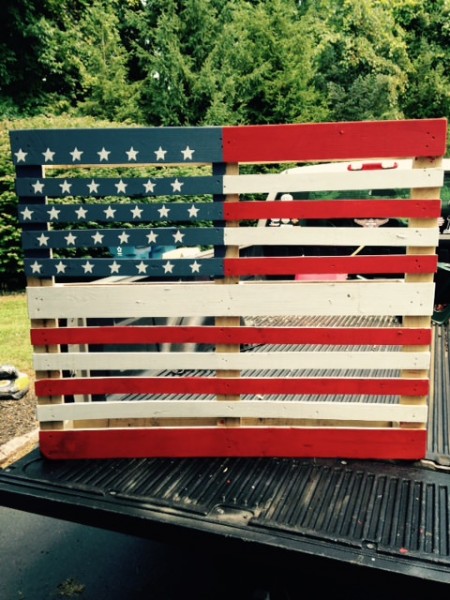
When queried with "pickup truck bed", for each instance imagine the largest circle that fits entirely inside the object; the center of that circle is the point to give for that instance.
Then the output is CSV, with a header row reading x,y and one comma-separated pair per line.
x,y
387,516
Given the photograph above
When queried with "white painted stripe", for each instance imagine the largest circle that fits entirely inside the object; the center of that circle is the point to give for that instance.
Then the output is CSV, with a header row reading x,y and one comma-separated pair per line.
x,y
244,299
351,180
77,361
160,409
333,236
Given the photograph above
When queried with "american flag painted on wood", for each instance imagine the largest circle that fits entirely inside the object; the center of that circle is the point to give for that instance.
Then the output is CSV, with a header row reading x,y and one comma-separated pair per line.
x,y
157,332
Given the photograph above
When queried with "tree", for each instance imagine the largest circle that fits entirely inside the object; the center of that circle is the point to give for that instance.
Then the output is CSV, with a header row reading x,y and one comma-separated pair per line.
x,y
361,58
215,62
427,32
23,74
174,39
100,61
261,67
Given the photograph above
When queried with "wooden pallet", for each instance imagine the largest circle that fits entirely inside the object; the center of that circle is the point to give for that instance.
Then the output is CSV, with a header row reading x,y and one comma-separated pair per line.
x,y
106,325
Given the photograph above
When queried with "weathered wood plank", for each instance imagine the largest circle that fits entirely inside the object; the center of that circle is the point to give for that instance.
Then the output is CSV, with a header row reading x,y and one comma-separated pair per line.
x,y
161,409
289,360
199,299
315,182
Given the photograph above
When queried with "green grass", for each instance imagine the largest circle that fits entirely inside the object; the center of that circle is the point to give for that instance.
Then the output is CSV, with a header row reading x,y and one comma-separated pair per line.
x,y
15,345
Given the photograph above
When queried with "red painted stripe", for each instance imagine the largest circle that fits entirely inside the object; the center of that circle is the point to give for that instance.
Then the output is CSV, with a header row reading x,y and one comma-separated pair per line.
x,y
331,264
335,141
224,386
332,209
387,336
384,444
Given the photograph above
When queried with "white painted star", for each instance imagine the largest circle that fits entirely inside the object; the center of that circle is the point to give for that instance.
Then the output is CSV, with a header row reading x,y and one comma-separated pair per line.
x,y
38,187
36,267
124,237
132,153
97,237
43,239
110,212
81,212
193,212
151,237
121,187
93,187
48,155
142,267
70,239
178,237
76,154
177,185
149,186
163,211
195,267
136,212
65,187
60,267
27,214
87,267
115,267
21,155
168,267
187,153
53,213
160,154
104,154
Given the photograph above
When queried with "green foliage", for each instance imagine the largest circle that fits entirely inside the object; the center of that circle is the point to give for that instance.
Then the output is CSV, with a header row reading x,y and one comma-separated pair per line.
x,y
212,62
361,58
97,57
261,68
427,33
178,62
225,63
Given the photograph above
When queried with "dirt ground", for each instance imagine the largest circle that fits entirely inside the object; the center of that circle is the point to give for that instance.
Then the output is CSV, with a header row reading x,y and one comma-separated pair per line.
x,y
17,417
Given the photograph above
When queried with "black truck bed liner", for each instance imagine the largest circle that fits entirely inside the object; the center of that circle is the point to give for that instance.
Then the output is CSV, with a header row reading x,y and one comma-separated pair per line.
x,y
390,516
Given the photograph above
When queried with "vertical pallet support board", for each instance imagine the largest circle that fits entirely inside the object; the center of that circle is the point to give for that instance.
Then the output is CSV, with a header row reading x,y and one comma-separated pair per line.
x,y
156,335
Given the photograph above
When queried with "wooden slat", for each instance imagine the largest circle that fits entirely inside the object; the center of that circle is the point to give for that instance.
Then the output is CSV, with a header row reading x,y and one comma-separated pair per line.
x,y
99,187
249,385
99,238
200,300
333,209
161,409
235,441
335,141
135,212
333,236
76,147
337,264
315,182
289,360
135,334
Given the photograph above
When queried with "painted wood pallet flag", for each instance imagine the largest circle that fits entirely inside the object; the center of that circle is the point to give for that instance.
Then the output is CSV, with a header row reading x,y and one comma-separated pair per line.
x,y
168,321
